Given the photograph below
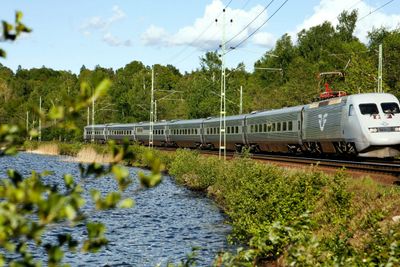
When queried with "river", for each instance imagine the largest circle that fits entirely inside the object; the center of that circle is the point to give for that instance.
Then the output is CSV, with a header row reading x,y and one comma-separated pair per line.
x,y
163,226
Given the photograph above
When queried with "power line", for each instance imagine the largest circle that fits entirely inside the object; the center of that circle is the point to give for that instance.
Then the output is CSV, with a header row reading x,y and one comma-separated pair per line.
x,y
197,38
259,14
373,11
250,35
245,4
347,9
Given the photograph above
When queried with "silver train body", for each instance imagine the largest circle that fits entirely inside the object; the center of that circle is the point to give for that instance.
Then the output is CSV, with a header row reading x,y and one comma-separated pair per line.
x,y
365,125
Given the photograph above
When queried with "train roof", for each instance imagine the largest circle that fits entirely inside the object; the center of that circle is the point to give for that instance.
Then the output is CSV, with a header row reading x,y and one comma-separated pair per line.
x,y
372,98
227,118
95,126
118,125
255,114
192,121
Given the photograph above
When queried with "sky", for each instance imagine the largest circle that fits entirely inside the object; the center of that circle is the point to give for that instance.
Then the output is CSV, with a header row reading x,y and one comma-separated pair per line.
x,y
112,33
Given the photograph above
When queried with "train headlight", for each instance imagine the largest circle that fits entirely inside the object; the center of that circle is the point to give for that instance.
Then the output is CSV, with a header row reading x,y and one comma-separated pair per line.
x,y
373,130
397,129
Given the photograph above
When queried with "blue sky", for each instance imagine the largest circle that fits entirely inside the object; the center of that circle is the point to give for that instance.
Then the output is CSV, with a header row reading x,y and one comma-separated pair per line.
x,y
69,34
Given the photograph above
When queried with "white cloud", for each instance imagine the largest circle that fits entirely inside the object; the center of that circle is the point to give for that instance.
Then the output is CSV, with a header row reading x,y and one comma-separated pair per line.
x,y
99,23
103,25
115,41
264,39
206,33
329,10
156,36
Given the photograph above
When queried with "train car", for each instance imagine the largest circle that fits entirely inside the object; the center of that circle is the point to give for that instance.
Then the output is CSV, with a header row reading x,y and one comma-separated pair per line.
x,y
120,132
322,125
142,132
366,125
186,133
160,134
235,132
275,130
95,133
373,124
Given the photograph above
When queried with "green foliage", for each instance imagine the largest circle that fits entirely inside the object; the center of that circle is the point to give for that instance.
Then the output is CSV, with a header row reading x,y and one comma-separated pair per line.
x,y
303,218
29,207
11,32
191,169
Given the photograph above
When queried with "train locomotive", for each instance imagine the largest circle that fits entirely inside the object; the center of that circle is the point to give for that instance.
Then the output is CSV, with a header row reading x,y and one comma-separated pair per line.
x,y
363,125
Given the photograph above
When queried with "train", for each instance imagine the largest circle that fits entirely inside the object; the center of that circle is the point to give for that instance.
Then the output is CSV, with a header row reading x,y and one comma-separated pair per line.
x,y
359,125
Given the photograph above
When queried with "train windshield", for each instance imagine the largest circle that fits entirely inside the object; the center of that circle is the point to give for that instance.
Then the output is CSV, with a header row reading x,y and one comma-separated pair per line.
x,y
390,108
369,109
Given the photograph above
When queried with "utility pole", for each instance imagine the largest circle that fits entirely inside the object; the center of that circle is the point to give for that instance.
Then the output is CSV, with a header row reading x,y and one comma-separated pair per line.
x,y
380,90
88,116
222,116
241,100
92,120
155,111
27,125
151,109
40,118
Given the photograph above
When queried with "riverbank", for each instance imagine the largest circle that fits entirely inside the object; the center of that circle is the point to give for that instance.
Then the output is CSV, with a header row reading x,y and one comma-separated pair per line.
x,y
290,217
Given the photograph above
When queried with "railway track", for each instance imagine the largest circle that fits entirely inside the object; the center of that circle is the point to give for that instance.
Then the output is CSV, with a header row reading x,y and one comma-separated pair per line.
x,y
386,171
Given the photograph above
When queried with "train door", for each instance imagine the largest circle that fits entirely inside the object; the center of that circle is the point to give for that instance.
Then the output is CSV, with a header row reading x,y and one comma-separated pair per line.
x,y
351,125
202,133
244,131
300,124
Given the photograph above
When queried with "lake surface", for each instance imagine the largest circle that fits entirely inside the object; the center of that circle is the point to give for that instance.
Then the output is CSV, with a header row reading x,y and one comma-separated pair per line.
x,y
163,226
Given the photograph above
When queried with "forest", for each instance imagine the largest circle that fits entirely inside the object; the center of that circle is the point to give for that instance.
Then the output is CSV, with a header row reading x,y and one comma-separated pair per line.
x,y
195,94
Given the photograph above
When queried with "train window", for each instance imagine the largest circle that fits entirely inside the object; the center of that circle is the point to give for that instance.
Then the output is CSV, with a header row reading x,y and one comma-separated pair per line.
x,y
390,108
368,109
237,129
290,126
265,128
278,127
228,130
251,128
284,126
273,127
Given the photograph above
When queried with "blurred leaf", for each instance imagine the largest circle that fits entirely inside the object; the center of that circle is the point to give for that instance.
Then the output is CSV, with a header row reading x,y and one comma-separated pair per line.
x,y
126,203
56,113
68,180
70,212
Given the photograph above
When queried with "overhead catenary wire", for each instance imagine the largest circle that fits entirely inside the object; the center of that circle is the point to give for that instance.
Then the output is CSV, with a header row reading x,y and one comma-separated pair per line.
x,y
376,9
248,25
258,28
195,40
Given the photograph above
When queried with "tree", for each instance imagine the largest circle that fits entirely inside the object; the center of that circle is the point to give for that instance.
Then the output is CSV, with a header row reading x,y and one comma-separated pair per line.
x,y
346,25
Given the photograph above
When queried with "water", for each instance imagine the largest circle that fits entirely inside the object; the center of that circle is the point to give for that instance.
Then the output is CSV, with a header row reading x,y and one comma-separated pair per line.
x,y
163,226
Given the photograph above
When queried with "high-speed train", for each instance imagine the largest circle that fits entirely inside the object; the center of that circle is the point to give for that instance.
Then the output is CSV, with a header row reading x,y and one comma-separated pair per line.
x,y
365,125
